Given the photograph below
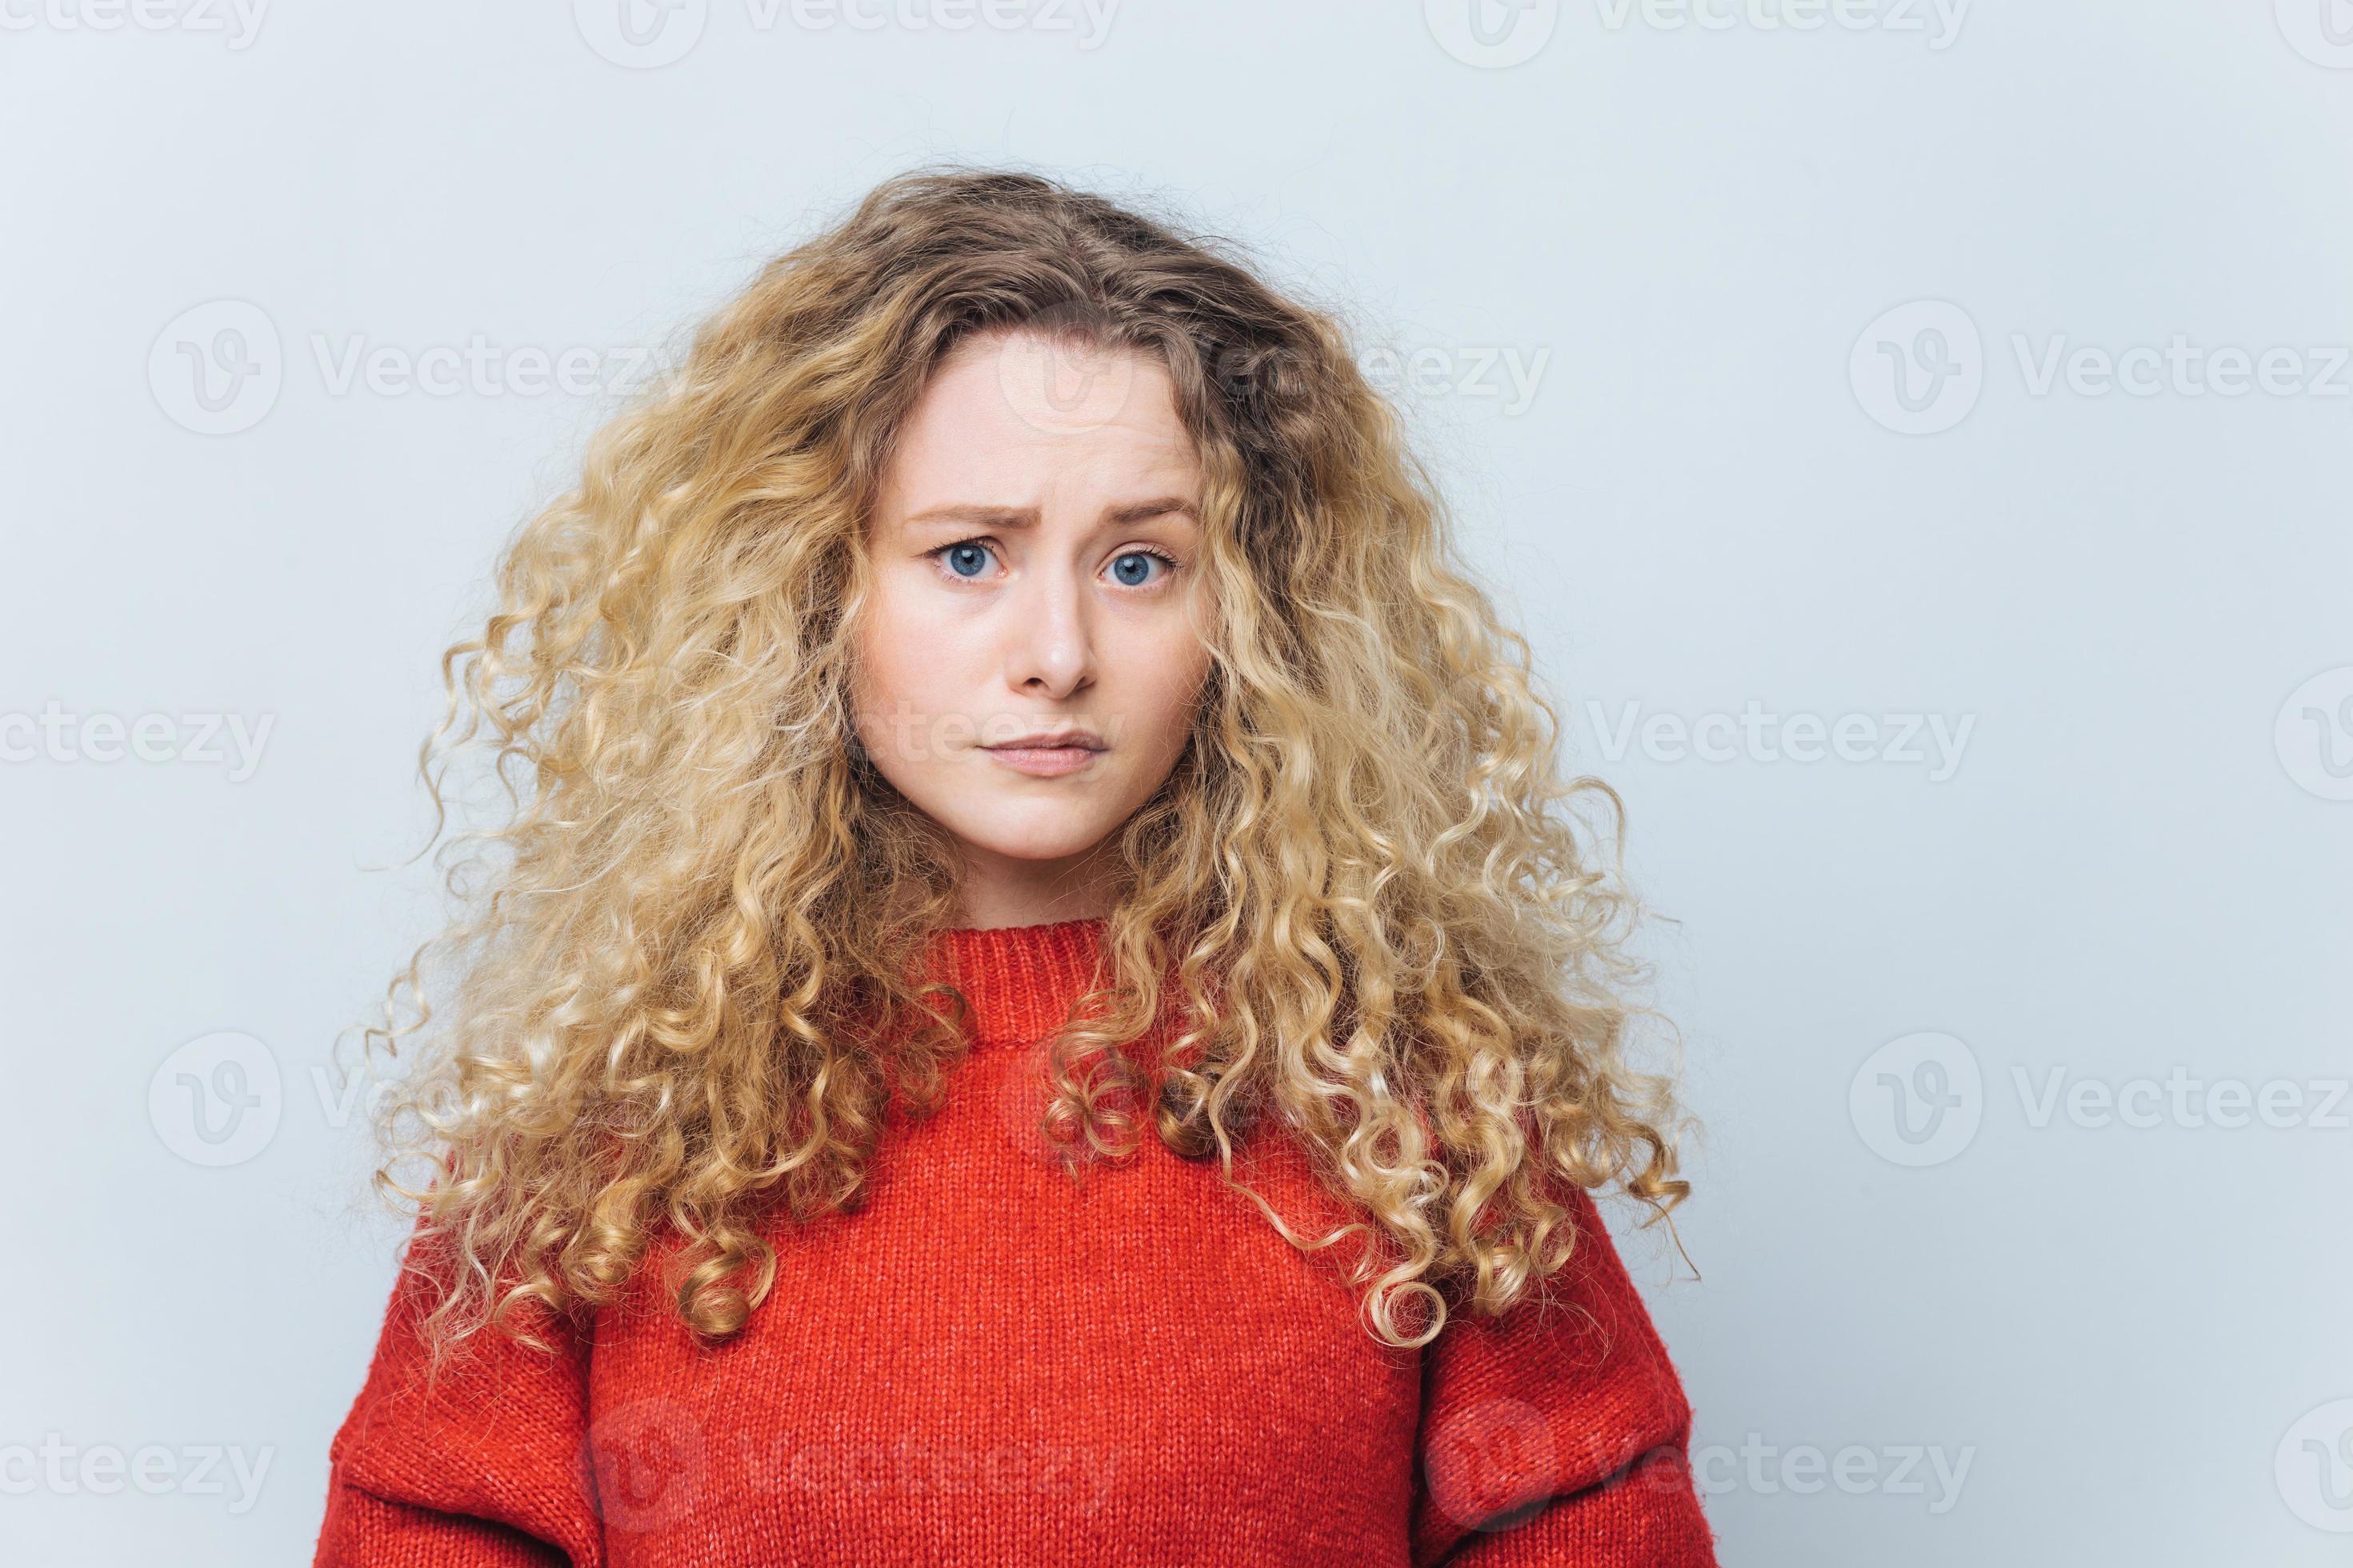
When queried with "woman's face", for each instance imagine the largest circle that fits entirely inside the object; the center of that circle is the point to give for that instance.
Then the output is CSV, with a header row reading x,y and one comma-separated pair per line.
x,y
1035,545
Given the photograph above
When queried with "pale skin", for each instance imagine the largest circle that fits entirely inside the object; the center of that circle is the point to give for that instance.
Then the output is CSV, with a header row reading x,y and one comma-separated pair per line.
x,y
1036,545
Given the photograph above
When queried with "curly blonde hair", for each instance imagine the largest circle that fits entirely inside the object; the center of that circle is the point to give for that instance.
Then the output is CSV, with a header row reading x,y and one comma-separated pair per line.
x,y
688,997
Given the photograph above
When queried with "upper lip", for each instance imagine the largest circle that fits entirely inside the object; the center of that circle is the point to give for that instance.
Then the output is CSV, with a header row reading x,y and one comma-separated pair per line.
x,y
1043,739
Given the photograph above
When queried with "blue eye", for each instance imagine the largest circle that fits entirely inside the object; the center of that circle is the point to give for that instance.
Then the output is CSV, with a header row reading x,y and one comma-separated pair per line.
x,y
1122,569
977,554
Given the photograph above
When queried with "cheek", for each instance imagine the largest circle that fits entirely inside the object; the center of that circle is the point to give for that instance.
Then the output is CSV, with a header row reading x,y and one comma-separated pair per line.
x,y
1169,689
891,664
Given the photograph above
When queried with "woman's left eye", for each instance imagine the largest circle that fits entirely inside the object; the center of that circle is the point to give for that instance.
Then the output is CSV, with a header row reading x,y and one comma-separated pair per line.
x,y
1129,567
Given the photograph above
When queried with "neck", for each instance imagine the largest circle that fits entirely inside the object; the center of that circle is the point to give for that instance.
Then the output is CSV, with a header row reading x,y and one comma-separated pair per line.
x,y
996,890
1021,978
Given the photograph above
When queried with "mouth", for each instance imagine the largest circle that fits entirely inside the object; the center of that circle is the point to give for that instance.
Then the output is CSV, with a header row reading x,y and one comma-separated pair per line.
x,y
1048,756
1053,740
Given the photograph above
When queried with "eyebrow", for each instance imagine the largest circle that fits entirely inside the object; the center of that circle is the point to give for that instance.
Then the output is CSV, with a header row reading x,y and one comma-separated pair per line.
x,y
969,515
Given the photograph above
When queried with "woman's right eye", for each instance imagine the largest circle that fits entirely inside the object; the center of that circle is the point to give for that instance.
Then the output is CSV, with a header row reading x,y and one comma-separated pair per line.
x,y
964,553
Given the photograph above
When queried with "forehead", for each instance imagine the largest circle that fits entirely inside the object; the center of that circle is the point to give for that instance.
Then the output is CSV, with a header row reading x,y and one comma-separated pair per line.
x,y
1008,415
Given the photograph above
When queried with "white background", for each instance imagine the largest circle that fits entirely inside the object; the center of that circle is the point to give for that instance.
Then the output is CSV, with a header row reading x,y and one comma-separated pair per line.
x,y
2136,864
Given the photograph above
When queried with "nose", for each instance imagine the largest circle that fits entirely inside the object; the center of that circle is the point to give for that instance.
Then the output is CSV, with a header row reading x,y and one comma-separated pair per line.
x,y
1049,640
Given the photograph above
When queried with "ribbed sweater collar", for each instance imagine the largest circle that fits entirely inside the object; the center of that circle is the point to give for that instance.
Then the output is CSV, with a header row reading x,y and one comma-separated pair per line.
x,y
1020,980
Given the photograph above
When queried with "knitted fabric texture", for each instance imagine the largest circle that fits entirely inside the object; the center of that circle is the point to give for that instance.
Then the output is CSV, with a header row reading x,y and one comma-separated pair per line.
x,y
990,1364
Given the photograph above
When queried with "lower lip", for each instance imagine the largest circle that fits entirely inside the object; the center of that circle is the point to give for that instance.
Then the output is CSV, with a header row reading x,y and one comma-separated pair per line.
x,y
1043,762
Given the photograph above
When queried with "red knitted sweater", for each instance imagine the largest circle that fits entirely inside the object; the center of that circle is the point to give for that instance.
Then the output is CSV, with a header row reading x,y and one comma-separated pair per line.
x,y
988,1364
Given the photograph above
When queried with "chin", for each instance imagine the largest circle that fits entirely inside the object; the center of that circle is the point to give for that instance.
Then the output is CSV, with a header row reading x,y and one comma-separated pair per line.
x,y
1026,829
1060,846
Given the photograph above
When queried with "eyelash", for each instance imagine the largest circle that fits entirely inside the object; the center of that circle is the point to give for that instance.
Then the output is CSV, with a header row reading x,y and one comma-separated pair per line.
x,y
939,552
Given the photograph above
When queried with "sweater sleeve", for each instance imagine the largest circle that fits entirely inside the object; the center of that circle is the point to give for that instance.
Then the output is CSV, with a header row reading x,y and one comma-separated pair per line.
x,y
1555,1434
488,1466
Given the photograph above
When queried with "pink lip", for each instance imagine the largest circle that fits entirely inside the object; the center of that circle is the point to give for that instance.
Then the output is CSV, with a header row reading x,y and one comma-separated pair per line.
x,y
1043,762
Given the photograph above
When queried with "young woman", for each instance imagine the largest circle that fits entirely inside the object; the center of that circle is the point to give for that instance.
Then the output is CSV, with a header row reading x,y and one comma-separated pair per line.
x,y
1040,1003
